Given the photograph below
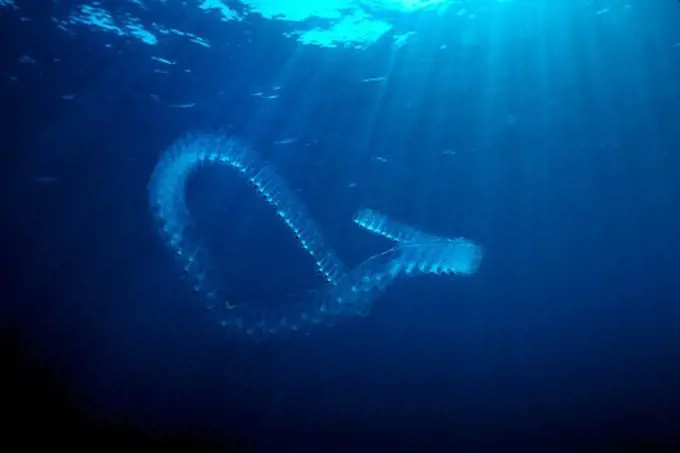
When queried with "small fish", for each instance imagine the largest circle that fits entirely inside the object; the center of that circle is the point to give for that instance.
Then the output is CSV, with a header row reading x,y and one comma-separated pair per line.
x,y
188,105
373,79
163,60
260,94
285,141
454,152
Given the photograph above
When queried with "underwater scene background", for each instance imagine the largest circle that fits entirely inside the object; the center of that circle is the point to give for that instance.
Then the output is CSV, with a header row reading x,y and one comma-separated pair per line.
x,y
380,225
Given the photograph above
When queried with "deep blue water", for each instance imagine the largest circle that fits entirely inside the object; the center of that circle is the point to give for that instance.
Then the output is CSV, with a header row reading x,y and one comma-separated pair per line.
x,y
565,130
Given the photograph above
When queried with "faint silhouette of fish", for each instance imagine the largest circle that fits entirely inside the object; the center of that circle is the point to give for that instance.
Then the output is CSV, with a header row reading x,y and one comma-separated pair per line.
x,y
46,179
285,141
188,105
